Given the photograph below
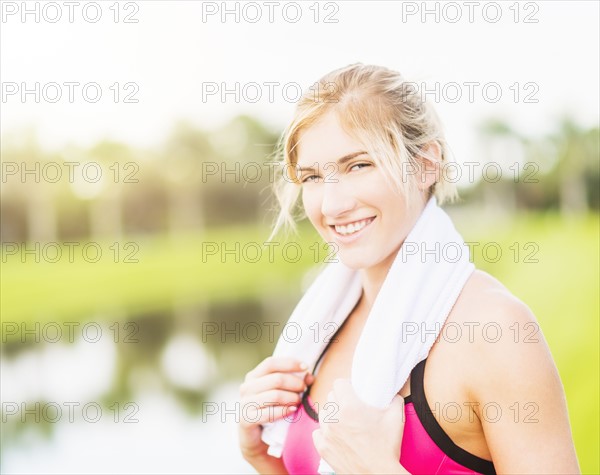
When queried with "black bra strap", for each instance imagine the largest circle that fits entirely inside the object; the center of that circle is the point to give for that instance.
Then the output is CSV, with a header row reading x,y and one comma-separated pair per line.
x,y
307,407
435,431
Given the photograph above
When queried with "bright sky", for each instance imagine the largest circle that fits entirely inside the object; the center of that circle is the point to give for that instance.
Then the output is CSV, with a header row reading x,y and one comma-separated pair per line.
x,y
173,53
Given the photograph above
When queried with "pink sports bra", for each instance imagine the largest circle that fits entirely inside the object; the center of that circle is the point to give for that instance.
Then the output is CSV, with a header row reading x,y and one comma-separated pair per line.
x,y
426,448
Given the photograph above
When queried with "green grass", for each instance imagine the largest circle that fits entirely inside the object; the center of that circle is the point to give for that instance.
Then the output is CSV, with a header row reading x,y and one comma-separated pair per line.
x,y
562,291
561,288
182,270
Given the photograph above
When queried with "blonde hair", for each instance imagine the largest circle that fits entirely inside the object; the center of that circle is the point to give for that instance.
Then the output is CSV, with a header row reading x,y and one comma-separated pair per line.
x,y
383,112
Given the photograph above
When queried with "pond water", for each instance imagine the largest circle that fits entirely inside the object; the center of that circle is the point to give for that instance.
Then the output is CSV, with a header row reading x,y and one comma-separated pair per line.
x,y
162,400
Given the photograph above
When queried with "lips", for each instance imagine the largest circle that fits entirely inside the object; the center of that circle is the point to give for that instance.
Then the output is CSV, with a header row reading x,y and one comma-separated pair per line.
x,y
353,227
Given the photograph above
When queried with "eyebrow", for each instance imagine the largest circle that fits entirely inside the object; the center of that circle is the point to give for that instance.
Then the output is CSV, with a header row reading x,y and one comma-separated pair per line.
x,y
340,161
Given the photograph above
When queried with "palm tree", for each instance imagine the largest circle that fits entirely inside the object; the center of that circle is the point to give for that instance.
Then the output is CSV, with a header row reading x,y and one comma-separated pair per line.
x,y
574,155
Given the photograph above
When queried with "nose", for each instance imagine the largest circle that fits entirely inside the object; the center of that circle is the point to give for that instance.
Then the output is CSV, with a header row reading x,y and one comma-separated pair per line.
x,y
337,200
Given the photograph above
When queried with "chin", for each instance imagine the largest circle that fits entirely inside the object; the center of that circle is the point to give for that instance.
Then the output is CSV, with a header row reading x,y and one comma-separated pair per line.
x,y
354,261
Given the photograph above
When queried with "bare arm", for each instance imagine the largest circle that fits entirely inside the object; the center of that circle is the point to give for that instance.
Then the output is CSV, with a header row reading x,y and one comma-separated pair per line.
x,y
527,425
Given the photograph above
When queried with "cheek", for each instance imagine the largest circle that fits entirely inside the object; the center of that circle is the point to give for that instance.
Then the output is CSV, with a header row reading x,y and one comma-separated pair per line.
x,y
391,210
312,206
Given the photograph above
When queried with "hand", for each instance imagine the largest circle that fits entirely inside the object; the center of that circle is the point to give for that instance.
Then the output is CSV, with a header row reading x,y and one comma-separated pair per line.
x,y
268,393
357,438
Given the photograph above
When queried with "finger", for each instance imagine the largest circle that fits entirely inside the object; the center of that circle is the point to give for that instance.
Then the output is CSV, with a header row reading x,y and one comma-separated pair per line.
x,y
398,399
284,381
397,404
254,416
274,397
274,364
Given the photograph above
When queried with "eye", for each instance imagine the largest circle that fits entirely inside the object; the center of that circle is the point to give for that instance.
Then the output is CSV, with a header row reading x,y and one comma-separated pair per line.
x,y
309,179
362,164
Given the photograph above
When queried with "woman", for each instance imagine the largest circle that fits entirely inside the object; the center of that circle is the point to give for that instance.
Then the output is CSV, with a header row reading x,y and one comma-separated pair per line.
x,y
367,153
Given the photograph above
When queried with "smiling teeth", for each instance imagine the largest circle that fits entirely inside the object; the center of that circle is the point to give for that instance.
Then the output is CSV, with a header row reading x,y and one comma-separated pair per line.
x,y
353,227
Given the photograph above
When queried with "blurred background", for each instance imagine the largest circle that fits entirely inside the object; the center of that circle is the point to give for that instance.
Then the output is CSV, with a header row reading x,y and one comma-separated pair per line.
x,y
135,200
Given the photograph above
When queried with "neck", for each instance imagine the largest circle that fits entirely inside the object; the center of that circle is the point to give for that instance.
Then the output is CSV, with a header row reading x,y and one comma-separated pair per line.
x,y
373,277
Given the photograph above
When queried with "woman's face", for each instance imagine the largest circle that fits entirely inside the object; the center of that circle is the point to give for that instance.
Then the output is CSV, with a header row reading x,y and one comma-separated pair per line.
x,y
347,198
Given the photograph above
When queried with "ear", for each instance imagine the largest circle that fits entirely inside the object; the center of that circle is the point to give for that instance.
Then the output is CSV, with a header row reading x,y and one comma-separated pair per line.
x,y
429,160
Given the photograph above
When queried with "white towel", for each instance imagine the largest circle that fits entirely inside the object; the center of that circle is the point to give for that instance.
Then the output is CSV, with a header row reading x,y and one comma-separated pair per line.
x,y
411,307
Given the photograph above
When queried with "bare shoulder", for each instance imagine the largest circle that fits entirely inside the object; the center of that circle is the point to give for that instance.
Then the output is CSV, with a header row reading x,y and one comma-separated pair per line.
x,y
485,290
503,331
486,302
508,367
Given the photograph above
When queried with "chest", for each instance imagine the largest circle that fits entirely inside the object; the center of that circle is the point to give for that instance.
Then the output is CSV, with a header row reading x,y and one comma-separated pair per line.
x,y
444,385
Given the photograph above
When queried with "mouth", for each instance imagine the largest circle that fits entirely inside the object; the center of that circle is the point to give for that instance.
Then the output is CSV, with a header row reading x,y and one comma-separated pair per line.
x,y
352,229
